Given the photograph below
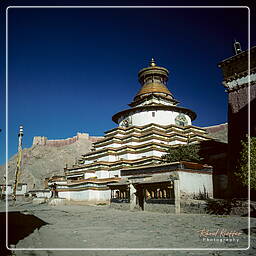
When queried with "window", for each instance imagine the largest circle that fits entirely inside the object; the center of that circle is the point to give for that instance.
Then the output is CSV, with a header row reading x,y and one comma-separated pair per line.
x,y
153,114
19,187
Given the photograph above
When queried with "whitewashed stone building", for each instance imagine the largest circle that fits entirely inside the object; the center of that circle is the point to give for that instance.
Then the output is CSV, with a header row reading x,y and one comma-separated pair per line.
x,y
152,124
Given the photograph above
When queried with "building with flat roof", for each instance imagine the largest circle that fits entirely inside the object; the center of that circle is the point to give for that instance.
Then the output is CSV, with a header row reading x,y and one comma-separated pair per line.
x,y
240,84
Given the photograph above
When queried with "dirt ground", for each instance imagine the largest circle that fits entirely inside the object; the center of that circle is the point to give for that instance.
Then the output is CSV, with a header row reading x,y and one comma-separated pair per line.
x,y
146,233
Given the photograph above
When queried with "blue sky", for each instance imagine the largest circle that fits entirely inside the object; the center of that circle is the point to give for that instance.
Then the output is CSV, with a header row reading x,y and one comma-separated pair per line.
x,y
70,70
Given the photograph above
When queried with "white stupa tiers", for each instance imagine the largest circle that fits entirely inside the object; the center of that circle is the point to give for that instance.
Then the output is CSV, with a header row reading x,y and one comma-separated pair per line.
x,y
145,131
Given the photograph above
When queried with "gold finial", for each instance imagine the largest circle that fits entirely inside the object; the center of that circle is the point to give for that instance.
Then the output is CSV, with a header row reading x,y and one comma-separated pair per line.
x,y
152,63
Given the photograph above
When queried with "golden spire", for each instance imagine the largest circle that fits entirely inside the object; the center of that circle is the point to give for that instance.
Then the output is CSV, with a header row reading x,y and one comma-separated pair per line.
x,y
152,63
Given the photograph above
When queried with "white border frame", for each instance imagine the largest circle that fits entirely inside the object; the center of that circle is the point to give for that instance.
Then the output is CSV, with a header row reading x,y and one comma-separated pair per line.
x,y
128,249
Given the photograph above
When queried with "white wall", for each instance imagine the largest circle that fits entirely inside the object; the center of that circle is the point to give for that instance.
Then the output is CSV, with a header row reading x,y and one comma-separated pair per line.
x,y
108,158
89,175
9,190
114,173
194,183
162,117
175,142
102,174
86,195
129,156
88,161
112,145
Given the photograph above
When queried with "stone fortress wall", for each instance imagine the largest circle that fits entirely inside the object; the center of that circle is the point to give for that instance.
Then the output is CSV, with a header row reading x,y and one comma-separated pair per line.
x,y
43,141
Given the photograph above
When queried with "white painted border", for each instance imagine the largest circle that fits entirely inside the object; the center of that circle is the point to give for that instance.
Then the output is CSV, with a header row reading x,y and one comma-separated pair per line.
x,y
126,249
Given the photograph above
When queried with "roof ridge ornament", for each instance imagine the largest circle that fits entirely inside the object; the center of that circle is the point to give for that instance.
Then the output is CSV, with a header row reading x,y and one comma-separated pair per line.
x,y
152,63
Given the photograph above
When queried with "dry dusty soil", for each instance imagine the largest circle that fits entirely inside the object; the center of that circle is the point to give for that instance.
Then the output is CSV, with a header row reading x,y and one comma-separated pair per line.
x,y
85,227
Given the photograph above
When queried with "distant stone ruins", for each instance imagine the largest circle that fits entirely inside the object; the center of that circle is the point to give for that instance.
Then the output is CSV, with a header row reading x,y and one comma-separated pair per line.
x,y
43,141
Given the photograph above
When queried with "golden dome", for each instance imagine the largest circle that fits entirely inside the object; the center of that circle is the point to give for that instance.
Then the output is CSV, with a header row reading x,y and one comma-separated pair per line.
x,y
153,80
153,88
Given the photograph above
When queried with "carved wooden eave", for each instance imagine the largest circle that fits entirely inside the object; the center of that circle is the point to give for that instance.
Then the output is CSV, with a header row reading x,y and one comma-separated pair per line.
x,y
238,87
237,66
152,96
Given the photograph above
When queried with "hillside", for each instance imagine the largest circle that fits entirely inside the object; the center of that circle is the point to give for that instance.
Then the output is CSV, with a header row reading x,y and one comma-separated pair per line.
x,y
41,161
219,132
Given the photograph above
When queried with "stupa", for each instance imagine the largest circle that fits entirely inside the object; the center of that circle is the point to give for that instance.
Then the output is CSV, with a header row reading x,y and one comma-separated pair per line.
x,y
145,131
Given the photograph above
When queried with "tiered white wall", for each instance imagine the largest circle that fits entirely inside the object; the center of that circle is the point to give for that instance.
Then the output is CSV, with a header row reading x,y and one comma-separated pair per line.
x,y
131,143
162,117
114,173
102,174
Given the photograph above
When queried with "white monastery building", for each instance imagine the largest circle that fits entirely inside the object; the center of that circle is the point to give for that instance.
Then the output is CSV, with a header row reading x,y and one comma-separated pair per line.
x,y
153,122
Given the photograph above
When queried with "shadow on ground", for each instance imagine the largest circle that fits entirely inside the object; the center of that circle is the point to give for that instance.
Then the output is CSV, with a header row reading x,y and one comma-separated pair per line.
x,y
19,226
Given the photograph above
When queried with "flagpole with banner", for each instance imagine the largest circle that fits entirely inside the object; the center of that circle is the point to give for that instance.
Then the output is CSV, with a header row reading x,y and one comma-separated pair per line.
x,y
18,166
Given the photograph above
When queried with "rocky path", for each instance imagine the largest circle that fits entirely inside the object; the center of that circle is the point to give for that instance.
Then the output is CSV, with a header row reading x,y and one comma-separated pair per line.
x,y
76,226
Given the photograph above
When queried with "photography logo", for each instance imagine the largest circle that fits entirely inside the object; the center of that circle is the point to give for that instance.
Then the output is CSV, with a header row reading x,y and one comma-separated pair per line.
x,y
220,235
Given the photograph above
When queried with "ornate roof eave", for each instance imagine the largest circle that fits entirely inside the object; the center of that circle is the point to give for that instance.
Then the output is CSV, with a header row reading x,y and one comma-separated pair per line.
x,y
151,96
238,75
235,57
187,111
240,86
